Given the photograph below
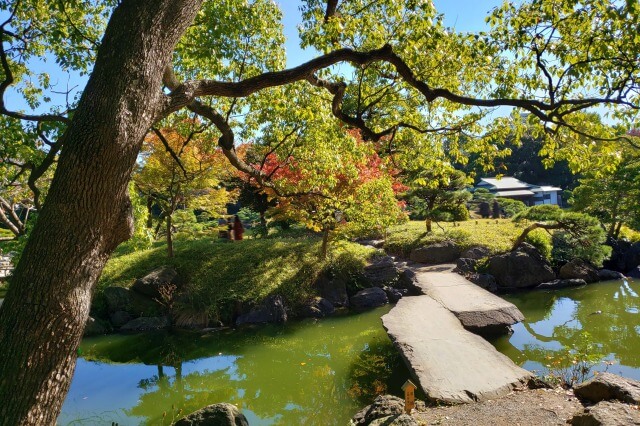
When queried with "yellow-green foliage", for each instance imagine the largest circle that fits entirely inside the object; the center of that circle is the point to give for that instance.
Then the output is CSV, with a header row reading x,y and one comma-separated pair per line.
x,y
629,234
498,235
221,274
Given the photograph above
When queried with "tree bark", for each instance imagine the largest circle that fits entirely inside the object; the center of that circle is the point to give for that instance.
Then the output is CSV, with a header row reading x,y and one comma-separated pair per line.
x,y
149,213
87,213
325,242
169,237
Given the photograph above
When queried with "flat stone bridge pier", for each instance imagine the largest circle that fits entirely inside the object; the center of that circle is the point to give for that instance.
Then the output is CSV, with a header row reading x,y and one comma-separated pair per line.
x,y
451,363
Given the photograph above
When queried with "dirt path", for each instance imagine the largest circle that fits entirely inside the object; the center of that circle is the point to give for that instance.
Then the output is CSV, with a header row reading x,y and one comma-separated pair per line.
x,y
520,408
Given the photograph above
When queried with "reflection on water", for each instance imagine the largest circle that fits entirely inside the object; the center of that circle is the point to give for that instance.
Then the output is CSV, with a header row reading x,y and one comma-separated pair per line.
x,y
609,312
311,373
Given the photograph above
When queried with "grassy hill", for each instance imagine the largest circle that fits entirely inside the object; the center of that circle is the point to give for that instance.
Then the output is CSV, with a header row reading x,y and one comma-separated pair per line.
x,y
221,274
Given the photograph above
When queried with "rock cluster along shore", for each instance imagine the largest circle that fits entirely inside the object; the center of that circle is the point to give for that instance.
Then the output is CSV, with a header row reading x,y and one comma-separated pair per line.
x,y
143,307
524,268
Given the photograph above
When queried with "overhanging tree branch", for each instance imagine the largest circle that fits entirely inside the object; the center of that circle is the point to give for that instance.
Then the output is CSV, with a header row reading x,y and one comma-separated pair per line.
x,y
184,94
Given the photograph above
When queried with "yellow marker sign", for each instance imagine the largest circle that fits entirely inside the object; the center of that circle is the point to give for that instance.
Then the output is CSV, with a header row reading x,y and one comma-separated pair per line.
x,y
409,396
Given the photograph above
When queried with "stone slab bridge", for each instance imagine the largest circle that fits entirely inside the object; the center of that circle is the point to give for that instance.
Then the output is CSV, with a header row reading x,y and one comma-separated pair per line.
x,y
436,336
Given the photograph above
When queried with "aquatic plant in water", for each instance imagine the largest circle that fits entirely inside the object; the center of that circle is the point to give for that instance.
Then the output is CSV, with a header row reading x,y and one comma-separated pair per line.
x,y
575,364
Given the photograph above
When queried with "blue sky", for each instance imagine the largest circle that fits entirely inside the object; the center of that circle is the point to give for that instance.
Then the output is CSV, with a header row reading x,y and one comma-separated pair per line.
x,y
463,15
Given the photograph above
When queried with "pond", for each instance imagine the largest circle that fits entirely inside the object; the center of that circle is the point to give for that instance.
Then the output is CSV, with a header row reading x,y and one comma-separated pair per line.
x,y
310,372
601,319
323,372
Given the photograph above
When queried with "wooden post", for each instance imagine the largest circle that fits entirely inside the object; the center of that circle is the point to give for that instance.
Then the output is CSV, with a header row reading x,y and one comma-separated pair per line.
x,y
409,396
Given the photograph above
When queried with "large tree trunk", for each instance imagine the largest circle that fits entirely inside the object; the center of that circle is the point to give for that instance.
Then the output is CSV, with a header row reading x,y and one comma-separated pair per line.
x,y
87,213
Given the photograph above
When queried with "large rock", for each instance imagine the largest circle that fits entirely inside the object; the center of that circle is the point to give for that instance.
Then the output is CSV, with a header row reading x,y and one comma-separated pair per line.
x,y
319,307
477,252
408,280
372,243
157,281
465,265
369,298
116,298
607,413
450,364
558,284
381,272
383,406
446,251
607,386
608,274
271,310
146,324
333,289
395,294
524,267
485,281
215,415
625,256
634,273
579,269
96,327
119,318
396,420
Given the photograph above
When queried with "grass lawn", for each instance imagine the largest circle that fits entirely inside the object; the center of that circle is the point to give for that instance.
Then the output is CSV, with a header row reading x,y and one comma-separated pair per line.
x,y
498,235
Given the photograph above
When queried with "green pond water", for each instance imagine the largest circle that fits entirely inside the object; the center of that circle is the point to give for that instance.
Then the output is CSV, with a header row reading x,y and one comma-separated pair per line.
x,y
604,316
322,372
305,373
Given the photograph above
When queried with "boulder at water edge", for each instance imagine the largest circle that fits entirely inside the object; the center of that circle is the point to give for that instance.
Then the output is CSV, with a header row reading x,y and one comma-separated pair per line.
x,y
333,289
408,280
96,327
607,386
119,318
123,305
608,274
381,272
558,284
446,251
522,268
319,307
215,415
397,420
116,298
579,269
383,406
152,284
369,298
625,256
271,310
634,273
146,324
485,281
395,294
